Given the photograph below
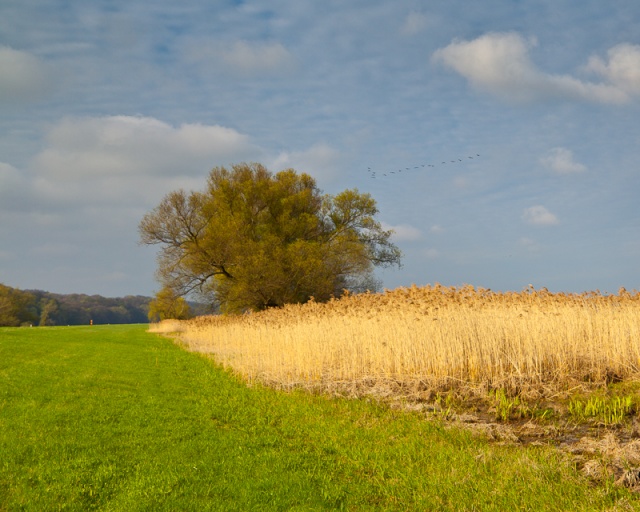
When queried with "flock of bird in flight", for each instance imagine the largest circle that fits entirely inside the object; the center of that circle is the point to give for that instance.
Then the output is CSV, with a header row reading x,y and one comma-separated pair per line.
x,y
374,175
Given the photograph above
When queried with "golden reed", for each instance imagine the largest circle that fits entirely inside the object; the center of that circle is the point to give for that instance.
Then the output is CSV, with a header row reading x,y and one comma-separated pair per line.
x,y
418,341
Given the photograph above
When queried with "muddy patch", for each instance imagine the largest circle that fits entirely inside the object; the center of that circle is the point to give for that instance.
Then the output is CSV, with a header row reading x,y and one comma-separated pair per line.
x,y
602,453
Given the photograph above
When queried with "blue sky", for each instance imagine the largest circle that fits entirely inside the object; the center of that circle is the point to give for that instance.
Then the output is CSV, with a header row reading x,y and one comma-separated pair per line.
x,y
106,106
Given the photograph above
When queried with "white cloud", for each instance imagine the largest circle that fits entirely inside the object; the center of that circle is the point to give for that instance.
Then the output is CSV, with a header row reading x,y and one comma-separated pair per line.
x,y
23,77
102,158
561,161
130,162
436,229
121,144
414,23
622,68
403,232
539,216
143,145
499,63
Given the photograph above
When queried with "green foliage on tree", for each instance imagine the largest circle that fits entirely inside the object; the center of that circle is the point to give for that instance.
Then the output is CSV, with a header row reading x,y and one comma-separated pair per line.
x,y
48,307
253,240
168,305
16,307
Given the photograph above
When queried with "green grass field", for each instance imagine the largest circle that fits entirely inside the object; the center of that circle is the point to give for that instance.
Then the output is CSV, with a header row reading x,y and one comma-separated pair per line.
x,y
114,418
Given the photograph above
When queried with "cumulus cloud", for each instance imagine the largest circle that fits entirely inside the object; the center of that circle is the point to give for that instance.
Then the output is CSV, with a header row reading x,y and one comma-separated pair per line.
x,y
23,76
621,69
499,63
127,161
414,23
116,144
95,158
561,160
539,216
244,57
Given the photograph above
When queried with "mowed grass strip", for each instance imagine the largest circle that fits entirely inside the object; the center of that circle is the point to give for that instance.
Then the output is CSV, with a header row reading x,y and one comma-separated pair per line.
x,y
115,418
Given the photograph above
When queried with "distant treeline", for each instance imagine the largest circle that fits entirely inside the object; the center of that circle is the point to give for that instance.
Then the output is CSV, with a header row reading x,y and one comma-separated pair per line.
x,y
37,307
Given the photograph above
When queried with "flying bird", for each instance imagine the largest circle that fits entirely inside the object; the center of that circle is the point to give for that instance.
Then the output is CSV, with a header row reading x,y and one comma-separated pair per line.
x,y
444,162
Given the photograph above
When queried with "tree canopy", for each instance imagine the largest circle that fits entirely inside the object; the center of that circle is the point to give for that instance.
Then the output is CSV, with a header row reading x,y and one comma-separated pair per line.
x,y
253,239
16,307
167,304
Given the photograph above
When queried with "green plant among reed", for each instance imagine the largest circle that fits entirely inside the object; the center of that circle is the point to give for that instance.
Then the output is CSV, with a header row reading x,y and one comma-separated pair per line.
x,y
605,410
510,407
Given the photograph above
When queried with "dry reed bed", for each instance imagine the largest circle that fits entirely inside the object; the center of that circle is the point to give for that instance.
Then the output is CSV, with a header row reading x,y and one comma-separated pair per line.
x,y
422,340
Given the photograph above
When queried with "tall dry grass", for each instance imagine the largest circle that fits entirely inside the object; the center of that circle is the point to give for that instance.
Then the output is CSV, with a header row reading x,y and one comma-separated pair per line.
x,y
422,340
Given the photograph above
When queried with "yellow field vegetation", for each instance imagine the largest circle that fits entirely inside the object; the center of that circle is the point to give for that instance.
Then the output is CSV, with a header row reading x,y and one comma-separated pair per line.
x,y
422,340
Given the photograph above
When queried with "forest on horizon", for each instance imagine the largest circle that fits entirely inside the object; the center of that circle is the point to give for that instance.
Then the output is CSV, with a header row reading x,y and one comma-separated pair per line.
x,y
42,308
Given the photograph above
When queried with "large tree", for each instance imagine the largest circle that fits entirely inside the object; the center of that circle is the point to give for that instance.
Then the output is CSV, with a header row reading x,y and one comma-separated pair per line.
x,y
253,240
